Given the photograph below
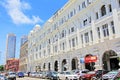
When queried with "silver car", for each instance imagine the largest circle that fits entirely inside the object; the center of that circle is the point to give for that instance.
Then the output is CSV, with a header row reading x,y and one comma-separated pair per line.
x,y
111,75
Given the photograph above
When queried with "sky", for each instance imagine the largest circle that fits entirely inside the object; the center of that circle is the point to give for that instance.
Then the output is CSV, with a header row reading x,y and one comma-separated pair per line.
x,y
20,16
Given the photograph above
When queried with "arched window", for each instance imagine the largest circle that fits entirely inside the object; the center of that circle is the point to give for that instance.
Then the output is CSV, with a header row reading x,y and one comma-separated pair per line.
x,y
103,10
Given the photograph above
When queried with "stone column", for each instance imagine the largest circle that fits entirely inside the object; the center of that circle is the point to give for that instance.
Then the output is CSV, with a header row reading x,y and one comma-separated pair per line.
x,y
107,9
90,38
101,34
67,44
95,35
58,46
99,13
83,40
110,31
51,49
79,40
59,65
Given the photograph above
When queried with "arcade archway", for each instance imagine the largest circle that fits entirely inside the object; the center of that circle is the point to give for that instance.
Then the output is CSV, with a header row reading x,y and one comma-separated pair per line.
x,y
44,65
89,65
74,63
56,66
110,60
49,66
64,67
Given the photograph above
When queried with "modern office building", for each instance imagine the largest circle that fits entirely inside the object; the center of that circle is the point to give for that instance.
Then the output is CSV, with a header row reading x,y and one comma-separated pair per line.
x,y
10,46
24,39
82,34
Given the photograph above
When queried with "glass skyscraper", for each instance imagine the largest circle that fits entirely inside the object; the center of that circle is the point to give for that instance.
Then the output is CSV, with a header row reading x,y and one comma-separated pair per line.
x,y
11,46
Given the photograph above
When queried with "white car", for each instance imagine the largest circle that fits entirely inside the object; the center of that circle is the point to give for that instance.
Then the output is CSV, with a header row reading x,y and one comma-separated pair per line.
x,y
111,75
2,77
80,72
11,75
66,75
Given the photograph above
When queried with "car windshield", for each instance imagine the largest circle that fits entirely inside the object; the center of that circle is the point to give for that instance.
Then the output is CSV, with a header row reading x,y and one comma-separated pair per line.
x,y
67,72
11,73
55,73
92,72
113,72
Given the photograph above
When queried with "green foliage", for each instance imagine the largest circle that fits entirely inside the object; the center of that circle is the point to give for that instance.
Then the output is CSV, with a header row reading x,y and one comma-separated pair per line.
x,y
1,68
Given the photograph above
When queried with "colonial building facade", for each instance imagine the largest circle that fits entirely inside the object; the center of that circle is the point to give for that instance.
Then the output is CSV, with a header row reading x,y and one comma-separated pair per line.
x,y
23,60
80,29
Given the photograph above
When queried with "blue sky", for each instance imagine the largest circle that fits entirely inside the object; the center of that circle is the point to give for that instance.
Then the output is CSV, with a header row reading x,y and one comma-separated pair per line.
x,y
20,16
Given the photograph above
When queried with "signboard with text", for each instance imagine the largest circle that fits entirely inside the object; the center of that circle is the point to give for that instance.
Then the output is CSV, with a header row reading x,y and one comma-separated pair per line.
x,y
90,59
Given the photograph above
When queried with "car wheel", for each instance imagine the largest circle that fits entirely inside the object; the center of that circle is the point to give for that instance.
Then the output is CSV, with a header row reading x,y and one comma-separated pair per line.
x,y
80,78
58,78
66,78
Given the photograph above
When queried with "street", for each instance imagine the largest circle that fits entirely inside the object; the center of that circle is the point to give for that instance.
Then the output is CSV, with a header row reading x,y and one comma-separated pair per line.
x,y
28,78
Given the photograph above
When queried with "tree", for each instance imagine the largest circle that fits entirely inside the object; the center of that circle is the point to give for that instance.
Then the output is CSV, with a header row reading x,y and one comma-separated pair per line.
x,y
1,67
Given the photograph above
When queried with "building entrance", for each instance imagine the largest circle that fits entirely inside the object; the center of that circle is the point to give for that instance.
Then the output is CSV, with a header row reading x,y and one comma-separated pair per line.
x,y
89,65
56,66
74,63
110,60
64,65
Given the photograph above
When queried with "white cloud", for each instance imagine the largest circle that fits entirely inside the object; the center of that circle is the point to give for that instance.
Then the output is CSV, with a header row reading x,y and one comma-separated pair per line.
x,y
15,10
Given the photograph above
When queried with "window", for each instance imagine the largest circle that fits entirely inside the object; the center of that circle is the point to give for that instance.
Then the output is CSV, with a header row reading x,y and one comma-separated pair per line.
x,y
71,14
97,15
72,29
119,2
82,38
88,2
55,48
85,22
40,54
89,19
70,43
98,31
103,10
73,42
105,30
68,16
83,5
49,41
40,47
112,26
79,8
76,41
110,8
91,35
62,33
63,46
74,11
86,37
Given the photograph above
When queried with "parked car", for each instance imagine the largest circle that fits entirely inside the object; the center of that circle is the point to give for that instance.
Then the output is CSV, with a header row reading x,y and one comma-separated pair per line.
x,y
11,76
66,75
20,74
2,77
99,73
112,75
88,75
80,72
52,75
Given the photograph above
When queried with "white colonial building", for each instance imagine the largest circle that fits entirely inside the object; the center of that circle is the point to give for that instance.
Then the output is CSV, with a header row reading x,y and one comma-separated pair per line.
x,y
80,29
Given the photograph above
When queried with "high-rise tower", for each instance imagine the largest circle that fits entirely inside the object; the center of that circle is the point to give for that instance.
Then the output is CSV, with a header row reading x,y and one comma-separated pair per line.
x,y
10,46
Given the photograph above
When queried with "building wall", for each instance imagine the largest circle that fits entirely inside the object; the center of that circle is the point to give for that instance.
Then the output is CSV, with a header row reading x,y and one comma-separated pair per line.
x,y
79,28
12,65
23,57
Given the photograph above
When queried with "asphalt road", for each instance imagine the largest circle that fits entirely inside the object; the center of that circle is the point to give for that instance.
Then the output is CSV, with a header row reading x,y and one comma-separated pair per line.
x,y
28,78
